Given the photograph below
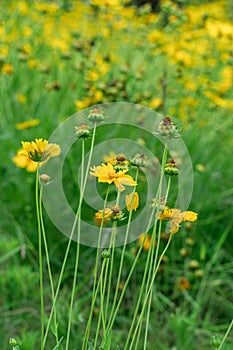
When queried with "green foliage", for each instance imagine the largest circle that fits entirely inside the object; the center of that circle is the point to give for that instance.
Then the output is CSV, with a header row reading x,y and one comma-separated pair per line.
x,y
63,60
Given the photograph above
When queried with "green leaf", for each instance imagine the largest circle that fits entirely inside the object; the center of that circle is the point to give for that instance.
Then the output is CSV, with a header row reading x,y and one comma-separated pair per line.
x,y
90,346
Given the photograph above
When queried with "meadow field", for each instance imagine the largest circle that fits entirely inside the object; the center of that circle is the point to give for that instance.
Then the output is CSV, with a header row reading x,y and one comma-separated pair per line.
x,y
63,58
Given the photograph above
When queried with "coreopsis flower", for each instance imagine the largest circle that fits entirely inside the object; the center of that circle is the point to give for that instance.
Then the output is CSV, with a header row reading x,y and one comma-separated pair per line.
x,y
119,161
108,214
175,217
147,241
132,201
183,284
106,173
32,153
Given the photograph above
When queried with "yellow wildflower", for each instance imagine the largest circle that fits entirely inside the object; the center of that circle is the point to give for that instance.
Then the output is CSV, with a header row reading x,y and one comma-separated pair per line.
x,y
7,68
175,217
147,241
106,173
103,215
132,200
32,153
27,124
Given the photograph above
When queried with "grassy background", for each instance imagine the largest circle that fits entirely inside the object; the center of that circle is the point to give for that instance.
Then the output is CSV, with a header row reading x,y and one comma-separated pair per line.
x,y
57,58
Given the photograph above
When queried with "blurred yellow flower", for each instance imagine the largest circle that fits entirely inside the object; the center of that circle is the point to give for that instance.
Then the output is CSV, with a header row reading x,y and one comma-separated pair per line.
x,y
106,173
27,124
156,102
132,201
7,68
175,217
34,152
147,241
21,98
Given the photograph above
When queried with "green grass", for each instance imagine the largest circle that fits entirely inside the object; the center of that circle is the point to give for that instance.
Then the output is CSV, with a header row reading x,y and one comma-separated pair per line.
x,y
53,67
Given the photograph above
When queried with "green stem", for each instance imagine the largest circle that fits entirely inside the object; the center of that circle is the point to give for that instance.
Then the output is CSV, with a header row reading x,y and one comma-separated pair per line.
x,y
77,250
95,285
226,335
48,263
40,259
71,236
149,291
123,251
149,260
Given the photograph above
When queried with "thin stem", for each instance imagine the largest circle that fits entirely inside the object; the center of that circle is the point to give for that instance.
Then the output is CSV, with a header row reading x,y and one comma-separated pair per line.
x,y
123,250
40,259
149,290
77,249
48,263
95,285
149,260
71,236
226,335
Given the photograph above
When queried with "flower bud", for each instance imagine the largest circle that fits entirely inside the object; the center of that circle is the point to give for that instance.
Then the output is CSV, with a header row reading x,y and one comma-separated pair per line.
x,y
139,160
106,254
96,115
12,341
82,131
193,265
215,341
167,128
44,179
171,168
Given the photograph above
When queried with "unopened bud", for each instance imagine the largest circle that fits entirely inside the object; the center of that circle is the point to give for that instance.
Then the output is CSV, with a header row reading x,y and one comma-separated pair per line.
x,y
106,254
96,115
44,179
171,168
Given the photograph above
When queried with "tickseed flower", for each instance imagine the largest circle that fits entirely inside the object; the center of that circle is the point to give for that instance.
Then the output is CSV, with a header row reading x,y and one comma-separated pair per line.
x,y
82,131
166,128
107,173
132,200
27,124
108,214
175,217
34,152
119,161
147,242
96,115
183,283
171,168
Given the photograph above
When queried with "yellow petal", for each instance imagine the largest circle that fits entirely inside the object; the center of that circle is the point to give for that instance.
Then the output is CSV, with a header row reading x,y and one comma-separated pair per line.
x,y
190,216
132,201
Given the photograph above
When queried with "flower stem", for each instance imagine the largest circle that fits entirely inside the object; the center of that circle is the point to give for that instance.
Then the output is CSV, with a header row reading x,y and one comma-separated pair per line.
x,y
40,260
77,249
226,335
71,236
48,263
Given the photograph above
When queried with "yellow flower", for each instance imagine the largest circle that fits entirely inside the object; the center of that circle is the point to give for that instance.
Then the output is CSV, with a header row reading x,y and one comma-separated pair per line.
x,y
103,215
7,68
132,200
147,241
31,153
106,173
175,217
27,124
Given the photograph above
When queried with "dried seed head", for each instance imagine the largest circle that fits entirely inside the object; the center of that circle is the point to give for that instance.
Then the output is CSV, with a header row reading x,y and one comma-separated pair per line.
x,y
82,131
166,128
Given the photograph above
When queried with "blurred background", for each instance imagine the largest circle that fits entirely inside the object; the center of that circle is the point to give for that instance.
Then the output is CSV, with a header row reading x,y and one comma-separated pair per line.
x,y
174,57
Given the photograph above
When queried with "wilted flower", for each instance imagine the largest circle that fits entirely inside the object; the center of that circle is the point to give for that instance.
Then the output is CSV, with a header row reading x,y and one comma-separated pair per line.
x,y
114,214
132,201
175,217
